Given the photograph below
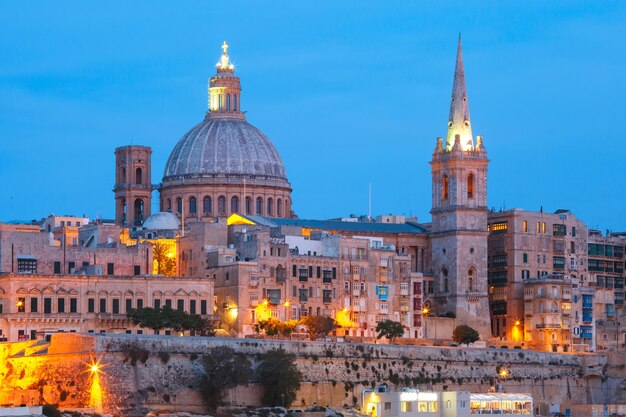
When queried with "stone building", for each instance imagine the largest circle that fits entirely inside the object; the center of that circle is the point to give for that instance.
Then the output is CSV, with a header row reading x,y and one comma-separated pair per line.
x,y
547,313
524,245
39,304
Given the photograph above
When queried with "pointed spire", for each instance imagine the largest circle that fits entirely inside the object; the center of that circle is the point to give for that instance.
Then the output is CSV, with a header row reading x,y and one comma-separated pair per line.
x,y
459,121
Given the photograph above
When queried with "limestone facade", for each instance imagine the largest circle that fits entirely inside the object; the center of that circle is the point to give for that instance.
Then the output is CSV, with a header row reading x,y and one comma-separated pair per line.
x,y
40,304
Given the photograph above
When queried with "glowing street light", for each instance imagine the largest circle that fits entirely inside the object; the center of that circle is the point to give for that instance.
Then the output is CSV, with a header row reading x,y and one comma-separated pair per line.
x,y
503,373
425,311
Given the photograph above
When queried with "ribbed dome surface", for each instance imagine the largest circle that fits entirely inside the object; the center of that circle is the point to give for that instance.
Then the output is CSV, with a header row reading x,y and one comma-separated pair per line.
x,y
224,147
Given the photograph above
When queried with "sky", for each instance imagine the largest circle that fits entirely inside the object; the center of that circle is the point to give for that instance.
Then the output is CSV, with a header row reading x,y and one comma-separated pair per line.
x,y
351,93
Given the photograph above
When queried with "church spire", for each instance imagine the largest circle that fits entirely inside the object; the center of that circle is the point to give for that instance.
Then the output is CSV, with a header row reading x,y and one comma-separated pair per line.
x,y
459,121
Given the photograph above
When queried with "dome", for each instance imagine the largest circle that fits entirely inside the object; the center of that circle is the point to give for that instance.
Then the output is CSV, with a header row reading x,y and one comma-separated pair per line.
x,y
162,221
224,147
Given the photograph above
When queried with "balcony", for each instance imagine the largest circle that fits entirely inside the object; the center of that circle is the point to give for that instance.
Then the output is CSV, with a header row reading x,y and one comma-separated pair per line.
x,y
327,300
549,326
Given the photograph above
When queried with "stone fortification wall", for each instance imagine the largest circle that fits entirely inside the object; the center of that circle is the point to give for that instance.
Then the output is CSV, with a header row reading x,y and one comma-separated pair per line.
x,y
164,372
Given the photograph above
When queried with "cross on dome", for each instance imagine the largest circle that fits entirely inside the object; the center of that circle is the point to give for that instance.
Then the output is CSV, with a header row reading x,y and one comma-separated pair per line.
x,y
225,48
224,62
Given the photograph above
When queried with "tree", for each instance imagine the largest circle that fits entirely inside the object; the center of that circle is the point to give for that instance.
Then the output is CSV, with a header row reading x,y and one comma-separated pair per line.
x,y
164,258
279,377
464,334
223,369
270,327
168,318
389,329
289,327
318,326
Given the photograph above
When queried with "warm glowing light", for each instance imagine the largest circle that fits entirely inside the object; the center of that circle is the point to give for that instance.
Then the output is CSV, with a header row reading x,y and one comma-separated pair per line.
x,y
96,392
504,373
265,302
238,219
343,318
518,323
287,303
425,311
408,396
20,303
234,312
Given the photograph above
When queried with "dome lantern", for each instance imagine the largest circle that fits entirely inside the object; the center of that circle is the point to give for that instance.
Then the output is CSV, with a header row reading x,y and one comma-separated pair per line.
x,y
225,89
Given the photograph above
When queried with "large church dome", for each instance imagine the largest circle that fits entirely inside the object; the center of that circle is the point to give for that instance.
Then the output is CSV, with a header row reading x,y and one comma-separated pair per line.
x,y
224,147
224,165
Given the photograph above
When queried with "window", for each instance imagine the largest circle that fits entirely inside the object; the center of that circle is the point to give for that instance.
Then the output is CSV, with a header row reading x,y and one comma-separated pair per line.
x,y
157,303
221,204
57,267
91,305
129,304
525,226
47,305
103,305
445,186
470,185
543,227
193,209
168,303
116,306
138,176
259,206
61,305
559,230
206,205
270,207
180,305
279,208
192,306
500,227
525,258
73,305
140,303
228,102
33,305
248,205
234,204
203,306
179,205
26,265
110,268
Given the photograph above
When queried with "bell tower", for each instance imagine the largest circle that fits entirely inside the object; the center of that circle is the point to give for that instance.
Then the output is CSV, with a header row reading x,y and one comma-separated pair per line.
x,y
459,216
133,185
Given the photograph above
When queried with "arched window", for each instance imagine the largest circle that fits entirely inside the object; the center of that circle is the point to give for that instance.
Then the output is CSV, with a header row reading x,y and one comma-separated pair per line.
x,y
445,285
445,185
234,204
123,210
287,208
259,206
138,212
248,205
169,204
470,283
179,205
235,102
206,205
279,208
138,176
221,204
270,208
470,185
219,101
192,205
122,175
227,101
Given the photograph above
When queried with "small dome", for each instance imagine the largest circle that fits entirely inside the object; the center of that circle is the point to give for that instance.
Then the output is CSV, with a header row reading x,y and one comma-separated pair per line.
x,y
224,147
162,221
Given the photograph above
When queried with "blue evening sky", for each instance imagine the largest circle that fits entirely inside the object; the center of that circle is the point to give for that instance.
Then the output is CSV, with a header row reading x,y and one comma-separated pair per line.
x,y
351,93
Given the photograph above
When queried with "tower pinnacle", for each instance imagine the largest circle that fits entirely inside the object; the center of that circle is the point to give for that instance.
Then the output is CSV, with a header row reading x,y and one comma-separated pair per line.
x,y
459,120
225,89
224,65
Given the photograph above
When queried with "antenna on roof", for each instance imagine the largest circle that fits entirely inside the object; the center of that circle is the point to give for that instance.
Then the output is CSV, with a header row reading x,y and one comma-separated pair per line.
x,y
369,203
